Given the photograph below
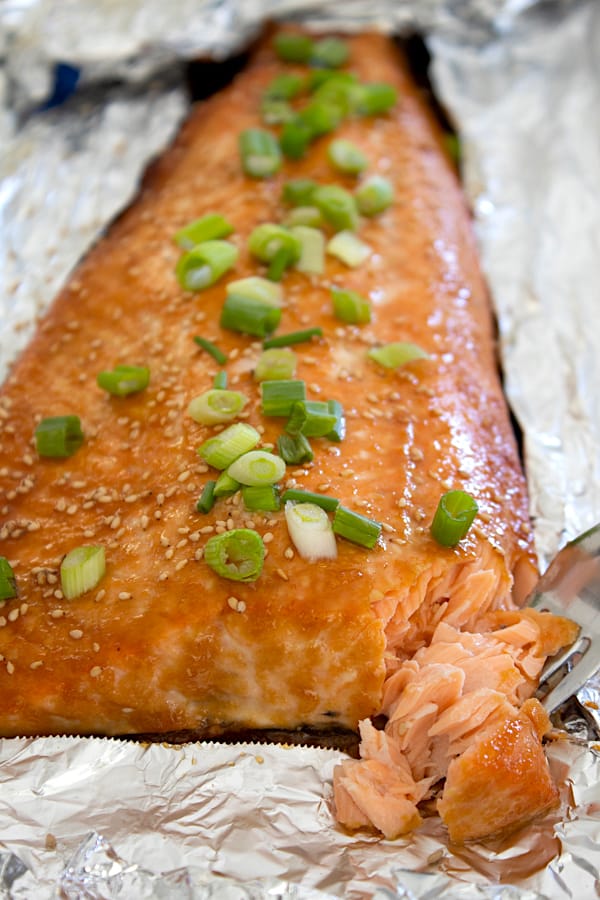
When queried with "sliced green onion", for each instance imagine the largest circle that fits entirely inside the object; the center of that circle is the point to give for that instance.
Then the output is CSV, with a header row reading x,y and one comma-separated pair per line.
x,y
293,337
124,380
212,349
292,47
275,365
223,449
267,240
338,432
237,555
317,79
374,195
349,249
280,262
396,354
264,497
355,527
207,498
216,406
453,517
299,191
248,316
260,153
350,307
256,288
312,418
339,89
294,449
8,582
320,117
337,206
276,112
220,380
279,396
376,99
225,485
81,570
209,228
203,265
346,157
304,215
310,531
312,250
329,504
58,436
284,87
257,467
295,137
329,53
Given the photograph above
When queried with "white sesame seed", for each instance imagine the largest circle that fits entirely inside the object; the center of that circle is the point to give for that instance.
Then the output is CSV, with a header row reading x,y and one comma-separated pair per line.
x,y
199,553
36,664
10,668
169,553
144,522
100,595
3,621
181,564
124,595
163,576
268,537
282,575
23,608
288,553
57,613
207,529
13,615
76,634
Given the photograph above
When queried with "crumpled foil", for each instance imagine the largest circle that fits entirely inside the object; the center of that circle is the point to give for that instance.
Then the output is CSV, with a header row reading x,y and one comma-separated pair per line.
x,y
100,818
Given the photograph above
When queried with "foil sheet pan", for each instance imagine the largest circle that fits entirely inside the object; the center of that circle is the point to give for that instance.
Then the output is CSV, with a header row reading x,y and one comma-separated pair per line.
x,y
519,80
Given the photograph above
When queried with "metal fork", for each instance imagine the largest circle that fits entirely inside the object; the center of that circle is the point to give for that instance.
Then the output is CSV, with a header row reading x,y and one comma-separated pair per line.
x,y
571,587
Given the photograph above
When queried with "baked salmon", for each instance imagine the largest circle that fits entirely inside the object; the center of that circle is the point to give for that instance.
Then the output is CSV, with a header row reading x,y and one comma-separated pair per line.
x,y
164,643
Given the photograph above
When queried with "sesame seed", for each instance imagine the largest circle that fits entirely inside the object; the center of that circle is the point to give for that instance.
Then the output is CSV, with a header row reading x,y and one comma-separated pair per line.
x,y
181,564
10,668
158,514
144,521
184,476
115,522
76,634
57,613
169,552
23,608
3,621
95,671
163,576
58,594
36,664
268,537
100,595
199,553
288,553
181,543
13,615
124,595
72,509
282,575
230,524
194,536
95,647
416,454
34,526
207,529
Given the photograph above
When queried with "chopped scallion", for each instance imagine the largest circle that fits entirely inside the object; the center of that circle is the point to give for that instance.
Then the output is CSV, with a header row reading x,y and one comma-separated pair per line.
x,y
304,215
339,89
257,467
295,137
312,252
453,517
338,432
249,316
337,206
310,531
280,262
376,99
329,53
267,240
225,485
279,396
224,448
220,380
263,498
284,87
329,504
396,354
81,570
312,418
374,195
260,153
346,157
237,555
320,117
294,449
59,436
216,406
276,112
256,288
291,47
275,365
124,380
293,337
355,527
207,498
208,228
204,264
349,249
320,77
350,307
8,583
212,349
299,191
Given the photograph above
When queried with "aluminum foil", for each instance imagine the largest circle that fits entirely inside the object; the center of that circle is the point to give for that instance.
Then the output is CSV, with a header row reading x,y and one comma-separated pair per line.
x,y
103,818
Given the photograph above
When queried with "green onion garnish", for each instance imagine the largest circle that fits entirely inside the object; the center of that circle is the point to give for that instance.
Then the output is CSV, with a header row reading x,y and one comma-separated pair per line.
x,y
299,191
291,47
220,380
275,365
317,79
346,157
267,240
207,498
338,432
350,307
293,337
81,570
203,265
212,349
276,112
320,117
304,215
279,396
339,89
337,206
260,153
310,530
294,449
216,406
280,262
374,195
256,288
376,99
349,249
8,582
312,252
58,436
225,485
329,504
312,418
355,527
295,137
237,555
249,316
209,228
453,517
329,53
284,87
224,448
391,356
124,380
257,467
264,498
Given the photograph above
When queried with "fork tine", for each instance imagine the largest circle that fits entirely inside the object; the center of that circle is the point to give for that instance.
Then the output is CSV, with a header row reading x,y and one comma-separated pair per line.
x,y
583,669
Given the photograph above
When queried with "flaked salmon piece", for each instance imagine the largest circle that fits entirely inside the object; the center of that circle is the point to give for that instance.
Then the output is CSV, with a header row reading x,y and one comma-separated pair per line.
x,y
436,683
554,632
379,794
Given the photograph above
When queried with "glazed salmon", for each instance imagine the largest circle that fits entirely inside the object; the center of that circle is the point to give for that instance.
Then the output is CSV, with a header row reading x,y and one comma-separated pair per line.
x,y
163,644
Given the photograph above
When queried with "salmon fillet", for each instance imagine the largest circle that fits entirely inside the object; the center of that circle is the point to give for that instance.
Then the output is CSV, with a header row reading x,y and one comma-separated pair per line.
x,y
166,645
